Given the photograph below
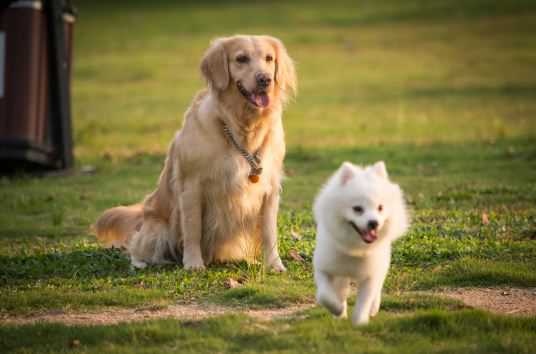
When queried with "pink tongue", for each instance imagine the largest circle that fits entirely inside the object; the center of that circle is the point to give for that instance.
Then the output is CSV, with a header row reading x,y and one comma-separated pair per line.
x,y
261,100
370,236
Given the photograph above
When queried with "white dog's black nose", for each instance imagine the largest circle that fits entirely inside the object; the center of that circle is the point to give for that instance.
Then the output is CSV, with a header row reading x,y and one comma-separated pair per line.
x,y
372,224
263,80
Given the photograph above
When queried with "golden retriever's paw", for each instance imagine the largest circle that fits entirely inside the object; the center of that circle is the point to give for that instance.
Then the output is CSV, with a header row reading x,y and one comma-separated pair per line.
x,y
137,264
193,261
276,266
195,268
195,265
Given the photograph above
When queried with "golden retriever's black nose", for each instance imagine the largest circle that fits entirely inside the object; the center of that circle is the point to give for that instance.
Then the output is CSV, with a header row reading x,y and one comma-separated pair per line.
x,y
263,80
372,224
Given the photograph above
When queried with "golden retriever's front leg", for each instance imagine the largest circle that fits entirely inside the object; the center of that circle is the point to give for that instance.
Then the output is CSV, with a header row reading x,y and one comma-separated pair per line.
x,y
269,233
190,209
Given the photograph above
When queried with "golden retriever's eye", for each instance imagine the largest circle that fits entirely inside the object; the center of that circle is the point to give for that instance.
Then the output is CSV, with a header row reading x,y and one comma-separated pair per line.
x,y
242,59
358,209
380,208
269,58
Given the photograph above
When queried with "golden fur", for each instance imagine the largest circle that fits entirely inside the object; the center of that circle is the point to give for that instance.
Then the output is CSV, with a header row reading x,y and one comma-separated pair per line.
x,y
204,208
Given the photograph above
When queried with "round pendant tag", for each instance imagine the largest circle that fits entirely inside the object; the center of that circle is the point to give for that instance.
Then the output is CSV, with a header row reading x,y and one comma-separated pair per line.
x,y
254,178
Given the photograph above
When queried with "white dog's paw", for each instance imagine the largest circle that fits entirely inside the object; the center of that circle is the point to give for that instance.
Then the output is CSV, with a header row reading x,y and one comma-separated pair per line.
x,y
332,304
276,266
360,320
374,311
375,308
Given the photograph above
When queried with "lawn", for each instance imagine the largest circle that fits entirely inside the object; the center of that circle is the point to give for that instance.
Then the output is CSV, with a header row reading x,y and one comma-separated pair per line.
x,y
443,91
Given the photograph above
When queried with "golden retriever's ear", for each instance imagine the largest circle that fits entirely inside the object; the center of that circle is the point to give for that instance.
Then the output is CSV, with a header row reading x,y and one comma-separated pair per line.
x,y
214,65
285,73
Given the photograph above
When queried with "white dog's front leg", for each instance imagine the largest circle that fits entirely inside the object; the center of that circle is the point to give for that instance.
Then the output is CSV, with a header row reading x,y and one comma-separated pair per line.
x,y
375,307
381,267
366,294
190,208
327,294
342,286
269,233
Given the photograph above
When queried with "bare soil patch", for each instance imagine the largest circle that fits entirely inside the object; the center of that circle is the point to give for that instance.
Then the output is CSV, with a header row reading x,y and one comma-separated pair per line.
x,y
181,312
508,301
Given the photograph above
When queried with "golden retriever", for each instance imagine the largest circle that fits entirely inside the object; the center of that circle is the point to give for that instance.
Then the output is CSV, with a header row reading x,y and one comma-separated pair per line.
x,y
217,197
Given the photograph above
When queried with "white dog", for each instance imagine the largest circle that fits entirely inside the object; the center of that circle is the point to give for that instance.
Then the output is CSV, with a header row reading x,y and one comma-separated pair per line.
x,y
359,213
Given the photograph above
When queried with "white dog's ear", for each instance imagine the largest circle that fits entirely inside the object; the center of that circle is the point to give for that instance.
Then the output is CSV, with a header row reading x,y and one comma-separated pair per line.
x,y
285,73
347,171
214,65
380,169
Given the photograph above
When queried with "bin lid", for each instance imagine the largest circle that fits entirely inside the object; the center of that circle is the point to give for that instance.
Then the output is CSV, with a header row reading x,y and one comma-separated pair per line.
x,y
31,4
69,11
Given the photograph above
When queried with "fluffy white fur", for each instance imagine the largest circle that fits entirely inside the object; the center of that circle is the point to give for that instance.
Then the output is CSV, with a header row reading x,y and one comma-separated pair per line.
x,y
359,213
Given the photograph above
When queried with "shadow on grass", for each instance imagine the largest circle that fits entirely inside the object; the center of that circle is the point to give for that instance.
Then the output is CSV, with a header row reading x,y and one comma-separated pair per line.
x,y
93,277
93,262
51,233
81,264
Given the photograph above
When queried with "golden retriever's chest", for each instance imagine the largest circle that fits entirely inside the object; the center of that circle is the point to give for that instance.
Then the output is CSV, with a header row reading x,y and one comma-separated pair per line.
x,y
232,207
230,180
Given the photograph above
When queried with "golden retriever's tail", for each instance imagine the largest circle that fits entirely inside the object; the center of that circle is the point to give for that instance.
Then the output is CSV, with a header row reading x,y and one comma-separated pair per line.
x,y
117,225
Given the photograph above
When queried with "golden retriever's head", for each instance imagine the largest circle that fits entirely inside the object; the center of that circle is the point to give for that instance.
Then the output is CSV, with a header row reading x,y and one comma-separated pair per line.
x,y
257,68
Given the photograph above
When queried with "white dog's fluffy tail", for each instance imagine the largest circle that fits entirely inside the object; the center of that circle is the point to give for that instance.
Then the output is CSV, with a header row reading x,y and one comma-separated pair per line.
x,y
117,225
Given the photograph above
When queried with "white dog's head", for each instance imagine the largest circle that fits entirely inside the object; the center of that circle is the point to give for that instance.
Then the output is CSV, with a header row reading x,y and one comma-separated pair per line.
x,y
364,203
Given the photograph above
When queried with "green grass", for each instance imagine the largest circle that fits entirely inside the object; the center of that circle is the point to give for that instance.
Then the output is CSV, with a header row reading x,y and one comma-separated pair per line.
x,y
443,91
431,331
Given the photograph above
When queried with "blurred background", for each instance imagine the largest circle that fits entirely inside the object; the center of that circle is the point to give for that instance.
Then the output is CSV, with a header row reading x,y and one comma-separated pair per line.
x,y
370,72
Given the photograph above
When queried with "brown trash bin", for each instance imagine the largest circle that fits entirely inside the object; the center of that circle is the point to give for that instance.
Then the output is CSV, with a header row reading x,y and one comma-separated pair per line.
x,y
31,123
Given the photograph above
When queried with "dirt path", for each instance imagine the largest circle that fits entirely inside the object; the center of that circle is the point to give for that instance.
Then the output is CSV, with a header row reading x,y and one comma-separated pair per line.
x,y
509,301
181,312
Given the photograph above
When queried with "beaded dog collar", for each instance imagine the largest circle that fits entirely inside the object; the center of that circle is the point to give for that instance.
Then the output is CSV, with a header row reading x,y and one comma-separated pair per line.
x,y
253,160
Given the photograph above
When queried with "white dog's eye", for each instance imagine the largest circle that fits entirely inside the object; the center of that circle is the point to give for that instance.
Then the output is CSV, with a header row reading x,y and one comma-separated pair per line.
x,y
269,58
380,208
358,209
242,59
